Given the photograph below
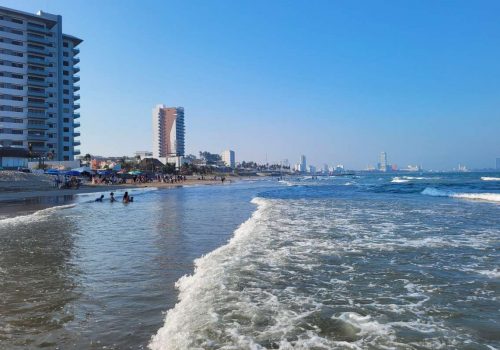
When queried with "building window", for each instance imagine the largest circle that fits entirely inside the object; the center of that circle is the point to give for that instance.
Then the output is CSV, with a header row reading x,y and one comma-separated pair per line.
x,y
66,148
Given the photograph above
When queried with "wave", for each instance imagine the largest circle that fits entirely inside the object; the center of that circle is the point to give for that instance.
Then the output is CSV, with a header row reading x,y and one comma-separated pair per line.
x,y
190,313
399,180
490,197
487,178
38,215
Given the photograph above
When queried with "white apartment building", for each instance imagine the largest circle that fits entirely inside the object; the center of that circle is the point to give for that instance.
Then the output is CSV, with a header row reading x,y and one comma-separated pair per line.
x,y
228,158
38,73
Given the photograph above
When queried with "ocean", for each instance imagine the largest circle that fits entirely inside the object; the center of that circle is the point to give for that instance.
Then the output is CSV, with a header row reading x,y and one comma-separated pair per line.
x,y
375,261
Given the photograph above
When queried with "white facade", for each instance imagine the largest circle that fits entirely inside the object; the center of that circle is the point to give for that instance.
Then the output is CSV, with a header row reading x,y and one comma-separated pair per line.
x,y
143,154
37,86
383,161
228,158
303,164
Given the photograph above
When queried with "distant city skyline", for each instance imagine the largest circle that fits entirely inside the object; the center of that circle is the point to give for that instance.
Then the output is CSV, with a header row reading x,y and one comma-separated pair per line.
x,y
337,81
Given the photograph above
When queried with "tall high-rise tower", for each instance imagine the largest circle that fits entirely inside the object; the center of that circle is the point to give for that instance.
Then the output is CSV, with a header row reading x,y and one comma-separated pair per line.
x,y
382,165
168,131
37,86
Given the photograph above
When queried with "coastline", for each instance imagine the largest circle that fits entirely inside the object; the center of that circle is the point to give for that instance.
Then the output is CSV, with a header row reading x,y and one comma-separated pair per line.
x,y
8,196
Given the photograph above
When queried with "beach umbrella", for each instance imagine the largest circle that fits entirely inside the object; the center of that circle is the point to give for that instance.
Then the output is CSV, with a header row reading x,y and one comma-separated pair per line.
x,y
52,172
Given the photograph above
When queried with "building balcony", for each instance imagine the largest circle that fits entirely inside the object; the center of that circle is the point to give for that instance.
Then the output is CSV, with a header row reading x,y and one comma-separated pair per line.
x,y
36,28
76,134
36,126
37,137
76,115
32,93
76,143
76,125
41,105
76,78
36,115
37,40
37,72
76,152
38,83
76,88
76,97
76,60
76,51
39,51
76,69
76,106
37,61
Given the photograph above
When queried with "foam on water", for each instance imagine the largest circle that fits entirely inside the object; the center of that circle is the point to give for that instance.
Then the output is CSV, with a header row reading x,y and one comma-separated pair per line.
x,y
36,216
487,178
490,197
399,180
302,274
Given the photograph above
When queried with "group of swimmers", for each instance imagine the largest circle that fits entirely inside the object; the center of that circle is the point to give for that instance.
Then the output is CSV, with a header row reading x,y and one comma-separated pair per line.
x,y
126,198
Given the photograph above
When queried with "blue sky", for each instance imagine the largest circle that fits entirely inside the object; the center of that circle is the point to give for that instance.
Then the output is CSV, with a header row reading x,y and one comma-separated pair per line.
x,y
338,81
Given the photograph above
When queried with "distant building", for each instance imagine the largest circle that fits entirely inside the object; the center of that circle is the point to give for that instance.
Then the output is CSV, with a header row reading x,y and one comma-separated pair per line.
x,y
498,164
38,99
326,170
311,169
143,154
303,164
168,132
382,165
228,158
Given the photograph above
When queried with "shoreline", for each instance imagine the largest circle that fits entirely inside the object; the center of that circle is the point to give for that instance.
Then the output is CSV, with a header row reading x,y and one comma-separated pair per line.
x,y
8,196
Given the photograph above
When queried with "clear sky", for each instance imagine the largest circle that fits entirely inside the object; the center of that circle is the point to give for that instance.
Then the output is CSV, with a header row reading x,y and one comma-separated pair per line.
x,y
338,81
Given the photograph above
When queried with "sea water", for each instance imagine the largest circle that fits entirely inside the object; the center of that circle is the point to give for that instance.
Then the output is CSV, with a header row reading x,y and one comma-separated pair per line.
x,y
356,262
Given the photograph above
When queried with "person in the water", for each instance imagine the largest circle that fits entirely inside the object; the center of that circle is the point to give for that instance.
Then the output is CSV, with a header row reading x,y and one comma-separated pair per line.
x,y
112,197
126,198
100,198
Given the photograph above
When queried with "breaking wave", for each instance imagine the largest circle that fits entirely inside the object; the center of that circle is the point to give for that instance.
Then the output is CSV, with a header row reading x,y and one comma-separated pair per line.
x,y
33,217
487,178
490,197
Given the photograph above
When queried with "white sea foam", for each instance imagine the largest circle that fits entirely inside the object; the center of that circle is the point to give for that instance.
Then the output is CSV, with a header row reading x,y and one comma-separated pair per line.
x,y
495,273
399,180
33,217
490,197
487,178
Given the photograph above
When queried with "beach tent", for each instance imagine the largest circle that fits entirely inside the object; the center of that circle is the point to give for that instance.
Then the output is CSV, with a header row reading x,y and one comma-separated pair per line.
x,y
52,172
83,169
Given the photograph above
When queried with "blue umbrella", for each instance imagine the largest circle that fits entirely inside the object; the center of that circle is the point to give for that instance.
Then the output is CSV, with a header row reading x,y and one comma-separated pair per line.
x,y
52,172
72,173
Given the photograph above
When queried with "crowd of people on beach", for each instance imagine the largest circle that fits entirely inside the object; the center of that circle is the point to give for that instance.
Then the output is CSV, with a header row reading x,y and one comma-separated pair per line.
x,y
125,199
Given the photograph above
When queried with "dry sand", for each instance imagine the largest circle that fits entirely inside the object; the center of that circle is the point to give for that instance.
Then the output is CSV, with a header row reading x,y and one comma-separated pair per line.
x,y
16,185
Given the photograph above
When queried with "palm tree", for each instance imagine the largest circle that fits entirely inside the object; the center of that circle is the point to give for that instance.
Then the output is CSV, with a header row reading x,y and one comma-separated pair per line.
x,y
87,158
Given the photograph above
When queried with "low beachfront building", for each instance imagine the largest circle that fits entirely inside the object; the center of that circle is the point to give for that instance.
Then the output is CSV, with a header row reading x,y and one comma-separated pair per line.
x,y
13,158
